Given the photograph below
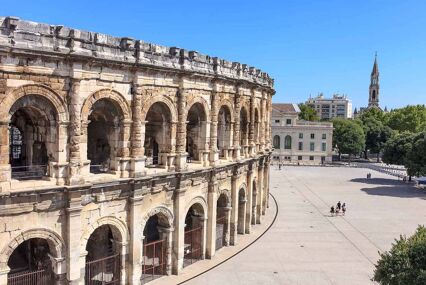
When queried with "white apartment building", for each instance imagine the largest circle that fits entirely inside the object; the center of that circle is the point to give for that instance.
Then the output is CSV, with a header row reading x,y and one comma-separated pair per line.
x,y
297,141
327,108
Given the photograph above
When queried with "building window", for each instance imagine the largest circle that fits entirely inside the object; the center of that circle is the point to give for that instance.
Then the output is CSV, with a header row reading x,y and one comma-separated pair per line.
x,y
300,157
288,121
312,146
277,142
300,145
324,147
312,136
287,142
300,135
277,121
311,158
324,136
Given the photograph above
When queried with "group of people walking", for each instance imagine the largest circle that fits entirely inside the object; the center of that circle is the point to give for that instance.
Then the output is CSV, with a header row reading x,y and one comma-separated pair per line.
x,y
339,207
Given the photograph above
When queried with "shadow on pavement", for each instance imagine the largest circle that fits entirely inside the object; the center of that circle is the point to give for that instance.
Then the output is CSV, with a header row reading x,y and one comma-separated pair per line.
x,y
378,181
402,191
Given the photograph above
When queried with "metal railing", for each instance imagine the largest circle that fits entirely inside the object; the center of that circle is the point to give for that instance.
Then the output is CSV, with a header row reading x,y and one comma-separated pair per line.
x,y
192,246
38,277
152,160
104,271
99,168
154,260
29,171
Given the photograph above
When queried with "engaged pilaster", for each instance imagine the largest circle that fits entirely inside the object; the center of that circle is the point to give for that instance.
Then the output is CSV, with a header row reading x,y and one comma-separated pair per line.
x,y
181,154
137,164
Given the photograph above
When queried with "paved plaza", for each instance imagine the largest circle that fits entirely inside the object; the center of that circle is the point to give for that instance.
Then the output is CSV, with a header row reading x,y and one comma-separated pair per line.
x,y
307,246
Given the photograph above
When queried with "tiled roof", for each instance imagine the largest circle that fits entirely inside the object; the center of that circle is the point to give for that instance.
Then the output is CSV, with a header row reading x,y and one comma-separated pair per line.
x,y
286,108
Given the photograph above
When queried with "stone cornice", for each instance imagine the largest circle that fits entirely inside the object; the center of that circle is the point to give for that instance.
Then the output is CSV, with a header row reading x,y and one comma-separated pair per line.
x,y
31,38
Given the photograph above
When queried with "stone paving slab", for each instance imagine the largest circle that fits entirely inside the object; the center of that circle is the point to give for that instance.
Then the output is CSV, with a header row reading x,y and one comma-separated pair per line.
x,y
307,246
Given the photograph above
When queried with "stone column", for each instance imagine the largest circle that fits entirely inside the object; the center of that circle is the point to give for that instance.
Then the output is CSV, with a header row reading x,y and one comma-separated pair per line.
x,y
203,222
260,192
214,153
234,211
250,199
179,233
3,276
76,260
124,152
123,259
167,234
212,214
58,168
227,211
74,177
5,170
263,124
137,165
136,237
265,187
181,132
172,155
237,130
252,143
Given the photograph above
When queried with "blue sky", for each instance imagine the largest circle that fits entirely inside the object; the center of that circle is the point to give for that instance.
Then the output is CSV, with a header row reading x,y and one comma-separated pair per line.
x,y
307,46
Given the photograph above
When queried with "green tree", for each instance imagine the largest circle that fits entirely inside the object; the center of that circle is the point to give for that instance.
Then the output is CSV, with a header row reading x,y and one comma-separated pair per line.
x,y
348,137
416,158
405,263
397,148
376,133
307,113
409,118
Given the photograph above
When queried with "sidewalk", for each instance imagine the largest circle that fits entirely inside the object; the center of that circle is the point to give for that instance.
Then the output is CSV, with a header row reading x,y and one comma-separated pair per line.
x,y
223,254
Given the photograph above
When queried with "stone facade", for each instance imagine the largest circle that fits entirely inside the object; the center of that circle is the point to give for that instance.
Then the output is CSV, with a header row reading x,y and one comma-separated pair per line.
x,y
297,141
99,135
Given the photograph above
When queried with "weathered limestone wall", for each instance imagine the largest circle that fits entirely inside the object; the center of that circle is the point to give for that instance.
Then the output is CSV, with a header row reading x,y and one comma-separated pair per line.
x,y
59,75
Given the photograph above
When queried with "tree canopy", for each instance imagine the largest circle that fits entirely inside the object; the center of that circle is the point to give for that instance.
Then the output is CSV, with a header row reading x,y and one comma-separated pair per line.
x,y
307,113
405,263
409,118
416,157
397,148
348,136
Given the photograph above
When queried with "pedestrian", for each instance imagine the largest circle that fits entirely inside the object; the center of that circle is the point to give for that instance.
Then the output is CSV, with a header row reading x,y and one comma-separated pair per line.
x,y
339,205
279,166
332,210
337,210
344,208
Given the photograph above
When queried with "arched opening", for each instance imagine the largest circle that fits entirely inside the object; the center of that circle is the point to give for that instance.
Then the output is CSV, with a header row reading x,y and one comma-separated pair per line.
x,y
224,131
30,264
196,133
104,132
193,240
222,221
33,137
277,142
287,142
243,131
374,95
157,134
154,260
103,257
242,201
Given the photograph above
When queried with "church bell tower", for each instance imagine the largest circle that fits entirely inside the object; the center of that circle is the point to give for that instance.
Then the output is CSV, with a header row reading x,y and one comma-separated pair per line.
x,y
373,100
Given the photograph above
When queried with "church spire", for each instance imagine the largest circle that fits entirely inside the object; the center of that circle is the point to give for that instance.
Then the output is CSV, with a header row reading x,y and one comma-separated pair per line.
x,y
375,70
373,100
